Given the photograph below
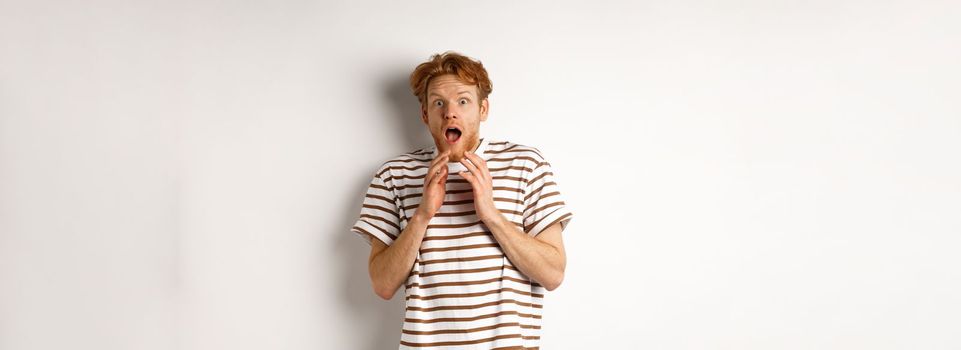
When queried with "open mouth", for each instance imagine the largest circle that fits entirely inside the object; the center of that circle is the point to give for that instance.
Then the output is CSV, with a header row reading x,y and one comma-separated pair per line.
x,y
453,134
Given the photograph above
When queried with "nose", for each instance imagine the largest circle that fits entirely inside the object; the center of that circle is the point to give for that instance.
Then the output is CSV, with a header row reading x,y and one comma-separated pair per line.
x,y
449,113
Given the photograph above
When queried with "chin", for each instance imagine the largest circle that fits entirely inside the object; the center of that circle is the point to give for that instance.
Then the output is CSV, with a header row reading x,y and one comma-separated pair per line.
x,y
456,155
457,150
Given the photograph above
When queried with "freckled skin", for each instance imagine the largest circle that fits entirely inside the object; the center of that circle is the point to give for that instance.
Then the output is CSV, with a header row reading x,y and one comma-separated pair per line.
x,y
451,102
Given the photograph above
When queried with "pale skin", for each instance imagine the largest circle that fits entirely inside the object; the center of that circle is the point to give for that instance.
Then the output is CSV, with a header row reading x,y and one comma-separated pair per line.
x,y
541,258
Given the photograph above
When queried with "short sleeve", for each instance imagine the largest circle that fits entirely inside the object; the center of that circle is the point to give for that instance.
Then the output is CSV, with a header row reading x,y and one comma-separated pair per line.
x,y
379,216
543,203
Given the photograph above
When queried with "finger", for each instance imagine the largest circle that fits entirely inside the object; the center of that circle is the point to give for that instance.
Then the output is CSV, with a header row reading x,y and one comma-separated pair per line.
x,y
439,157
429,176
473,169
480,165
442,158
435,168
469,177
442,176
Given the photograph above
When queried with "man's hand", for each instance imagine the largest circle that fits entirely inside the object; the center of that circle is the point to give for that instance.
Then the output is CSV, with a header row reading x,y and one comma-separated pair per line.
x,y
435,187
480,180
541,258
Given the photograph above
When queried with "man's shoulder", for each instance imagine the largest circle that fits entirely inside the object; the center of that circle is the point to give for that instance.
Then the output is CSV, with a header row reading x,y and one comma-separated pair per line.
x,y
505,149
408,160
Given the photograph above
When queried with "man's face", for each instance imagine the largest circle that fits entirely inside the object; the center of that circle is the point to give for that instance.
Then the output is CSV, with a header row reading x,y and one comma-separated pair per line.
x,y
453,115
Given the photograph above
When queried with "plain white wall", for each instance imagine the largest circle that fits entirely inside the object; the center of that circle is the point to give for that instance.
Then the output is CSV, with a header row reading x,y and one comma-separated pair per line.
x,y
744,174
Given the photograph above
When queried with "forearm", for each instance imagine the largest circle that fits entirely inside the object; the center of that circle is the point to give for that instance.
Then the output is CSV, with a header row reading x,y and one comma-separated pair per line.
x,y
536,259
391,267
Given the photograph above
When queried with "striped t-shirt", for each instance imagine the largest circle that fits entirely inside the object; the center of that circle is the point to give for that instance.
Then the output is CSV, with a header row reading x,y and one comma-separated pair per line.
x,y
462,291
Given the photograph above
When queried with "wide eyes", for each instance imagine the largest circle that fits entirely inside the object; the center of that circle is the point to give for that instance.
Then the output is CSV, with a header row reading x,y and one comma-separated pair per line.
x,y
462,101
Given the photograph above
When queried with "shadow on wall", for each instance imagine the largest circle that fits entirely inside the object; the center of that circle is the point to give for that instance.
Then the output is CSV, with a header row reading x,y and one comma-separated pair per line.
x,y
379,321
406,114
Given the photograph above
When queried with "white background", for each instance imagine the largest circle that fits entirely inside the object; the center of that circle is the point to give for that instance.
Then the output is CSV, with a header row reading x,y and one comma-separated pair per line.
x,y
743,174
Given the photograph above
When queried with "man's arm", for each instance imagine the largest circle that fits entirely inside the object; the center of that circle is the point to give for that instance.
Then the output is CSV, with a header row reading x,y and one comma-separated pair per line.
x,y
390,265
541,258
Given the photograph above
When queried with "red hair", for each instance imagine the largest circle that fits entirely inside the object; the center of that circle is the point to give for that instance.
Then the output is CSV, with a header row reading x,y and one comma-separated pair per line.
x,y
467,70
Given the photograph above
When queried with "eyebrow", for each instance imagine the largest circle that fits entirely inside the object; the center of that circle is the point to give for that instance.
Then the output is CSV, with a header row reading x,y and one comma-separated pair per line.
x,y
460,92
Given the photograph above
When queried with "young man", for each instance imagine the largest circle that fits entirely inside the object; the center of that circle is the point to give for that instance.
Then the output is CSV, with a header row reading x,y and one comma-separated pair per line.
x,y
472,225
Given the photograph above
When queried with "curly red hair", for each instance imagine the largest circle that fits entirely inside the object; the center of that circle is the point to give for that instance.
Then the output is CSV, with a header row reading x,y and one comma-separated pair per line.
x,y
467,70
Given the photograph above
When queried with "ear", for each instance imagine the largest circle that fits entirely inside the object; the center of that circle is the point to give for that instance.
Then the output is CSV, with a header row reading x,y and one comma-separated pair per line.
x,y
423,114
484,108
